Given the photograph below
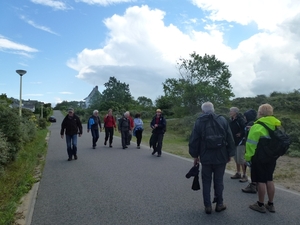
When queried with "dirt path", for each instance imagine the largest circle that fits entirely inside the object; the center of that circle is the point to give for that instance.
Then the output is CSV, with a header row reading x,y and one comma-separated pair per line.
x,y
286,172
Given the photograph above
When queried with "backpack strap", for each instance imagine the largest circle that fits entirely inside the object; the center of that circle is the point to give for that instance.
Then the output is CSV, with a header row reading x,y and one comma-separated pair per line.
x,y
265,126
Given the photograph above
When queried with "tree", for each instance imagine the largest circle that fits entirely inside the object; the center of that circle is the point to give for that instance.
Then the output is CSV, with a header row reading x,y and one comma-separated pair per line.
x,y
202,79
144,101
117,92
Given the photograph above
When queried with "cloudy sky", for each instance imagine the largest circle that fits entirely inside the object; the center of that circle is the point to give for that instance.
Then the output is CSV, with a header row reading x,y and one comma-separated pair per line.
x,y
68,47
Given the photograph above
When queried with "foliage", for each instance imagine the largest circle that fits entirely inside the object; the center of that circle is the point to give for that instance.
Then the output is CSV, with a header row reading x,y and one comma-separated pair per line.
x,y
202,79
42,123
144,101
20,175
116,92
4,152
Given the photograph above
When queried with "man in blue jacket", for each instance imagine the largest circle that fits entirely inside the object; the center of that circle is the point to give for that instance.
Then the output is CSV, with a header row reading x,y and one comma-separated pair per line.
x,y
213,160
94,123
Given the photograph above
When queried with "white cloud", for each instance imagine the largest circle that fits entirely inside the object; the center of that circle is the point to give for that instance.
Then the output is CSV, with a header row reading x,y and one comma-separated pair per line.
x,y
40,27
142,51
15,48
104,2
267,14
57,5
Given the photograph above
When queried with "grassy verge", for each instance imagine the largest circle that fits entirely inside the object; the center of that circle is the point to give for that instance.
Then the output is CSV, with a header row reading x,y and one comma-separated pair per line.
x,y
20,175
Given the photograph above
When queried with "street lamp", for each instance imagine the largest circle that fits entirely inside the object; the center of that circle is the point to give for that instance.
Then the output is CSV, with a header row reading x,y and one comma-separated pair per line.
x,y
21,73
42,104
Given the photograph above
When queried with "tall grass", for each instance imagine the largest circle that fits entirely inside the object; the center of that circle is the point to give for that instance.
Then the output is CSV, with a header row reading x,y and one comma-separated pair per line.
x,y
20,175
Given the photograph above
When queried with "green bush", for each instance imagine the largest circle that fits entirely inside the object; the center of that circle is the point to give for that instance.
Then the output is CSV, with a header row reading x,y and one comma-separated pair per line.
x,y
4,152
42,123
28,128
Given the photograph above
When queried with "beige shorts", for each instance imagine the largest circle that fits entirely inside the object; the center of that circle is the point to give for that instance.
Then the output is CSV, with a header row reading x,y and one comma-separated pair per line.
x,y
239,157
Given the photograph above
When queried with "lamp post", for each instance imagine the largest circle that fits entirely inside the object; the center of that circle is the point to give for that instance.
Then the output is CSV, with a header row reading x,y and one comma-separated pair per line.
x,y
21,73
42,104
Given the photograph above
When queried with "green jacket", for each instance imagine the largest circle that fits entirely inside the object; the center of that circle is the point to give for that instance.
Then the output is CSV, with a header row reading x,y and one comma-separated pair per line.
x,y
256,132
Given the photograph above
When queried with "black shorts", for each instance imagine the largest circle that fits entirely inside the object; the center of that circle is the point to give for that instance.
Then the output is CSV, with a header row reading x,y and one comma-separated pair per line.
x,y
262,172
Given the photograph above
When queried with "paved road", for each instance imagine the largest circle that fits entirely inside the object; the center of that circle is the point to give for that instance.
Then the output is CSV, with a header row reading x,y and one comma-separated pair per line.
x,y
112,186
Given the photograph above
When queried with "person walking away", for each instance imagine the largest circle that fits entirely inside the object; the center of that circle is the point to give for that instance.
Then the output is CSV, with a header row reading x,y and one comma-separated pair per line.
x,y
131,128
109,126
250,117
138,129
262,172
211,144
124,127
94,123
237,126
71,126
158,125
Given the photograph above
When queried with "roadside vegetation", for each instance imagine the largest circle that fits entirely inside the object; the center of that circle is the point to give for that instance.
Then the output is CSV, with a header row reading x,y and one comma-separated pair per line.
x,y
22,150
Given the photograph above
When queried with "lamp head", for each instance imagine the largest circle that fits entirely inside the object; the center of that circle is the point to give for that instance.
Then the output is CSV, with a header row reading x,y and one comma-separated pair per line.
x,y
21,72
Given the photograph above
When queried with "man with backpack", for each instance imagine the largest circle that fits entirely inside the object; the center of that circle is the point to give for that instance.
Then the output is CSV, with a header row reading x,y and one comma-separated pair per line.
x,y
211,144
262,155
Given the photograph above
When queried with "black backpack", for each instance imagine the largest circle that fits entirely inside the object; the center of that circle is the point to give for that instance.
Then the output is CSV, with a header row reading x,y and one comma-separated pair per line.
x,y
270,149
214,134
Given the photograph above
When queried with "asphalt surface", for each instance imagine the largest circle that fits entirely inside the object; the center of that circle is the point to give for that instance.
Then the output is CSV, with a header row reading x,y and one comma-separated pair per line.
x,y
118,187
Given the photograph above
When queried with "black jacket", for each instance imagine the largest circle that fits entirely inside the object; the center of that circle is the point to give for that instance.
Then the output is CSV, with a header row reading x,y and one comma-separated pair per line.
x,y
162,124
238,125
124,124
71,125
197,145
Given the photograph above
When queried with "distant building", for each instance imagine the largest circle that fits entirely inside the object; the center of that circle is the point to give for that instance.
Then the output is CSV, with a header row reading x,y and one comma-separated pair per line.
x,y
90,96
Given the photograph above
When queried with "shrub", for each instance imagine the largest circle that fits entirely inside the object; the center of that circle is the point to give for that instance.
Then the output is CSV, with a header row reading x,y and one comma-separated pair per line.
x,y
4,152
42,123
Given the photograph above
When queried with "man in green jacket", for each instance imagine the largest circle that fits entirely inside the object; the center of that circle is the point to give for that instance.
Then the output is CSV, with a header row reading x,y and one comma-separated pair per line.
x,y
262,173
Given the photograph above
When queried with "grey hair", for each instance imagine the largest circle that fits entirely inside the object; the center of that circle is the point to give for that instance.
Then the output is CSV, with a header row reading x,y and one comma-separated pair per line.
x,y
126,113
208,107
95,111
234,109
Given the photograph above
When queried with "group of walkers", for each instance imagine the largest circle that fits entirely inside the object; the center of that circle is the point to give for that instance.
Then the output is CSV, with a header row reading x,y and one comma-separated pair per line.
x,y
214,141
71,126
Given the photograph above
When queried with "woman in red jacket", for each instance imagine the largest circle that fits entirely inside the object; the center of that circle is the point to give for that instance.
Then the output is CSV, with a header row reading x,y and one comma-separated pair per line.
x,y
109,125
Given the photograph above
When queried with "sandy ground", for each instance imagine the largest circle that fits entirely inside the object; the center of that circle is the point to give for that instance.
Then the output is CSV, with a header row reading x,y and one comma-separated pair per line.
x,y
286,173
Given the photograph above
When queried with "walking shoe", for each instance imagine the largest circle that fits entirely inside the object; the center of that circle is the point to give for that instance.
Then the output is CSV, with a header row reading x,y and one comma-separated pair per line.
x,y
208,210
220,207
256,207
244,179
94,147
270,208
251,188
159,155
75,157
138,147
69,159
110,146
236,176
153,152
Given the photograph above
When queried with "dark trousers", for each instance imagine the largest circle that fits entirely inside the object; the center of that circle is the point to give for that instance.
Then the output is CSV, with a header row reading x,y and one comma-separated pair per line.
x,y
109,133
95,134
139,135
157,144
71,145
129,137
215,171
124,137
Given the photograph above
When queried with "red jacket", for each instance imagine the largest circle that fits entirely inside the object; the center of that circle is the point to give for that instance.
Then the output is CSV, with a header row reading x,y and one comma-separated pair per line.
x,y
109,121
131,123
